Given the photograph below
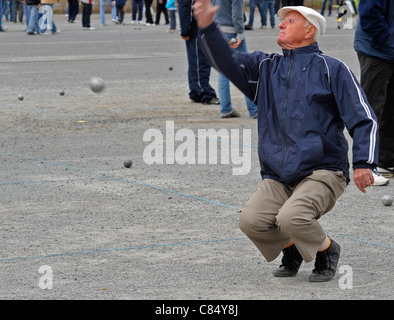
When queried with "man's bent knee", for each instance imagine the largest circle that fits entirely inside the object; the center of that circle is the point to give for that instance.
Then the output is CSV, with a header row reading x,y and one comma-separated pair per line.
x,y
252,222
290,223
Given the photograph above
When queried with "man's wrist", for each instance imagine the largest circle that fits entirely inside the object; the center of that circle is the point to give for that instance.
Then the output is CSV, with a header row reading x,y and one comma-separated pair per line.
x,y
208,28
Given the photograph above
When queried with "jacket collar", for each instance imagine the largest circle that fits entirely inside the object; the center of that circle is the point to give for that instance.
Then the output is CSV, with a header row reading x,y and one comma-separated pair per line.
x,y
314,47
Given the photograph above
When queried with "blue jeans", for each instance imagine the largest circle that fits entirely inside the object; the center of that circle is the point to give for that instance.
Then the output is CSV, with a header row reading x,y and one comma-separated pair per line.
x,y
46,22
33,19
224,86
270,6
252,6
172,13
8,7
323,6
102,10
26,10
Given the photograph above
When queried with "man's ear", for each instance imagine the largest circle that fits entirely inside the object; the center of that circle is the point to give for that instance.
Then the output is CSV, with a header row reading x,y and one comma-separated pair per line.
x,y
310,32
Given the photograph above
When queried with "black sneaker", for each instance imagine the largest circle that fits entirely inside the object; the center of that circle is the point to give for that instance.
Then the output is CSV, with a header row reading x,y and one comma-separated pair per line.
x,y
213,100
291,262
326,263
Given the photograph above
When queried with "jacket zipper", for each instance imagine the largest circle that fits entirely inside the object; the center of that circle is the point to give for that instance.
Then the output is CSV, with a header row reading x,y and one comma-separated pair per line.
x,y
283,122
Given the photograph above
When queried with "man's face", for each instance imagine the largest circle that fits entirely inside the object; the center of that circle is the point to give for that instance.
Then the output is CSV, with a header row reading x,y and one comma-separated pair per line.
x,y
293,33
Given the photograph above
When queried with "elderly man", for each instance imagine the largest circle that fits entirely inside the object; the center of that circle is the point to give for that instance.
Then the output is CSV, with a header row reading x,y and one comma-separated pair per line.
x,y
305,99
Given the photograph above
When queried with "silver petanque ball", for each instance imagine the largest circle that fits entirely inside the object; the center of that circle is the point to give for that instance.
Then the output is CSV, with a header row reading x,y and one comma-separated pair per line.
x,y
97,84
387,200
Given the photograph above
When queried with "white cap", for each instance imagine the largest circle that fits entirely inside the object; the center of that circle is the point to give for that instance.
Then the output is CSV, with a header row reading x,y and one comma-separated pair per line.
x,y
311,15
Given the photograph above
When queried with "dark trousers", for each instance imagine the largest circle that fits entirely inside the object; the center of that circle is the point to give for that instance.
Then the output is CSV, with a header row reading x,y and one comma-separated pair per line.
x,y
137,9
16,5
377,80
148,14
120,13
73,10
199,72
161,7
86,13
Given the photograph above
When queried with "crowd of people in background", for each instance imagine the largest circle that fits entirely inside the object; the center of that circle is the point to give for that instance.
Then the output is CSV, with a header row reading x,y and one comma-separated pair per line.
x,y
33,10
16,10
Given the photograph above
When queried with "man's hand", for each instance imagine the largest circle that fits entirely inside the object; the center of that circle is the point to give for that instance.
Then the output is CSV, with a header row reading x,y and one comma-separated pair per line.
x,y
204,12
235,45
363,178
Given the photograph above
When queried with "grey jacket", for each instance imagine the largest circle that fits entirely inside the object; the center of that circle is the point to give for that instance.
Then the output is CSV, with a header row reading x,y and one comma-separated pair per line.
x,y
230,16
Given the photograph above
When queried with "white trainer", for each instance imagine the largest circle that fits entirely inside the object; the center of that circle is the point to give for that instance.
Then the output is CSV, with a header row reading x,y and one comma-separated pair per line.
x,y
379,179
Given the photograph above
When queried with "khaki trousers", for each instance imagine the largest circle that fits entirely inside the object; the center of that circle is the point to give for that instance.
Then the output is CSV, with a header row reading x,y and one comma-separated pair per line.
x,y
275,215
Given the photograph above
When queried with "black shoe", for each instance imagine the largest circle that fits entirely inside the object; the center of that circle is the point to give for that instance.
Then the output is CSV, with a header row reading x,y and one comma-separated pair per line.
x,y
291,262
326,263
211,101
248,27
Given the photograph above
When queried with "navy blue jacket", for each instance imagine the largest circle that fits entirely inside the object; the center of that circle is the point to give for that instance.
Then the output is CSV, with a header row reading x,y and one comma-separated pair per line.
x,y
187,22
375,30
305,99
